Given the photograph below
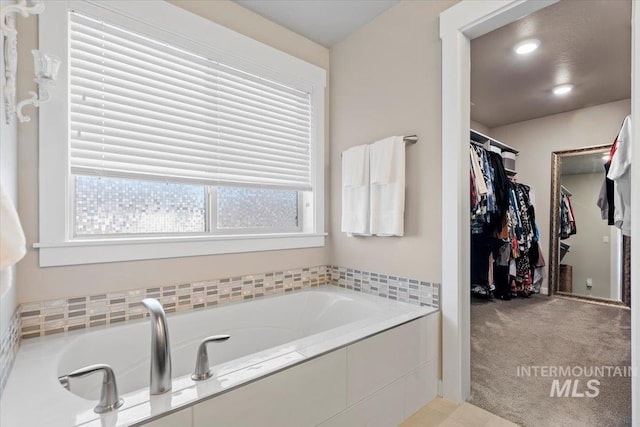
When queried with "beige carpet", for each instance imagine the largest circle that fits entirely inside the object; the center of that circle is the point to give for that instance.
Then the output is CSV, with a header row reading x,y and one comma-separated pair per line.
x,y
551,332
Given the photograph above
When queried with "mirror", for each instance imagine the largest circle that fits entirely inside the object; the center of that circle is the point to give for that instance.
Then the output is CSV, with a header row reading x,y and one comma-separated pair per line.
x,y
586,253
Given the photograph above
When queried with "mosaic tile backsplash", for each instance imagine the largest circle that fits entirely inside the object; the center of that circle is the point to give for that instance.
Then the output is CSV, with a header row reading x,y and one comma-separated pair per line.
x,y
55,316
50,317
9,344
387,286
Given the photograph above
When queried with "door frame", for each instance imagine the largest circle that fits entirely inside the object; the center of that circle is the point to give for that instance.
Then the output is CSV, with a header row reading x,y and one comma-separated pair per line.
x,y
458,25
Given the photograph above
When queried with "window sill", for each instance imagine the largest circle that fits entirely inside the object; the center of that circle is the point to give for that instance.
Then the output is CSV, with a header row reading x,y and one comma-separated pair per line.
x,y
92,251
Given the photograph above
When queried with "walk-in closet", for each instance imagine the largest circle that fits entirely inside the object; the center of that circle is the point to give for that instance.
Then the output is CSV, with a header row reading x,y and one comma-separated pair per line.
x,y
549,213
505,258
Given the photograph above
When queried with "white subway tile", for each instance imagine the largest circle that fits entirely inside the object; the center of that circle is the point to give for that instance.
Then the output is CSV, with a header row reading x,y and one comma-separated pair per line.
x,y
303,395
376,362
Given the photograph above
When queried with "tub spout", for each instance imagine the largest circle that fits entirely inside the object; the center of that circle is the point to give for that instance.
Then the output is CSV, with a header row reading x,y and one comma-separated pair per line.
x,y
160,377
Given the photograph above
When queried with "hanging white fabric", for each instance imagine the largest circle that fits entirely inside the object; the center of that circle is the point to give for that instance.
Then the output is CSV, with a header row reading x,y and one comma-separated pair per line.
x,y
620,174
355,190
387,187
144,109
12,240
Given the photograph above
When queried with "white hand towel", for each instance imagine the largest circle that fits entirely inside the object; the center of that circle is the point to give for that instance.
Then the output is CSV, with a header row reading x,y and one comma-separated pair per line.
x,y
355,190
381,159
386,215
12,241
355,166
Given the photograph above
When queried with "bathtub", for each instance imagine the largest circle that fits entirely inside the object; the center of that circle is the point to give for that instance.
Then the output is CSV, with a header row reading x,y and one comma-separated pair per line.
x,y
311,357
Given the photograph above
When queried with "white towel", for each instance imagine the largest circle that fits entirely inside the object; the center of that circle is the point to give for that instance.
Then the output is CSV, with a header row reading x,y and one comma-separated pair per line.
x,y
386,214
12,241
380,158
355,190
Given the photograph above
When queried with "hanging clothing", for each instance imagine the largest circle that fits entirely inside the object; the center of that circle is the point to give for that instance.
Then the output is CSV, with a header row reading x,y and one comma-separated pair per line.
x,y
489,190
501,272
620,174
501,185
607,206
606,201
567,219
537,265
504,235
476,170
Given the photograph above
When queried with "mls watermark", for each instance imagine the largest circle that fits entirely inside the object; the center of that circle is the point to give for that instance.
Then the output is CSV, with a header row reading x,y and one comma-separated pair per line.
x,y
575,381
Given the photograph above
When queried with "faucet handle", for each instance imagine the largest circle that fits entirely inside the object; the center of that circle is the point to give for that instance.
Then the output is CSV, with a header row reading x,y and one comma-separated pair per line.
x,y
109,399
202,371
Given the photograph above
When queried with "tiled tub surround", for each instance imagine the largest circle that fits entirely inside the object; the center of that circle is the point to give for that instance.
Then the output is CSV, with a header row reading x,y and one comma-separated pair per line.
x,y
368,358
55,316
9,344
387,286
50,317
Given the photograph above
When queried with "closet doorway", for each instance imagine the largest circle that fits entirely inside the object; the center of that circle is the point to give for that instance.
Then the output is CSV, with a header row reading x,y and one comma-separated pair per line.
x,y
466,22
517,73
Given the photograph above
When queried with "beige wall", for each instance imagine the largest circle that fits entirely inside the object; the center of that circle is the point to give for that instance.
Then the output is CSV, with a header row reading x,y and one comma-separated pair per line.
x,y
385,80
589,255
537,139
36,283
480,127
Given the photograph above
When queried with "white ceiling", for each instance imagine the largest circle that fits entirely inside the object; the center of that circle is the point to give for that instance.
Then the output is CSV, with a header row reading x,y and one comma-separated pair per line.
x,y
324,21
585,43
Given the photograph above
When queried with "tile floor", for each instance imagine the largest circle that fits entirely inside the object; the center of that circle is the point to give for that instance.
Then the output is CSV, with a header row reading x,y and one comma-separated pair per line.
x,y
443,413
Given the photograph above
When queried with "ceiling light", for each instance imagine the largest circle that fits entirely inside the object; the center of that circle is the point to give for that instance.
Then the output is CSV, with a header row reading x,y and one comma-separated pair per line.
x,y
562,89
526,46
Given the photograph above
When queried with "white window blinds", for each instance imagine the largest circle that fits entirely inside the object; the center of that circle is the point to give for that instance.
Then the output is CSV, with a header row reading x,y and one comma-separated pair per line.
x,y
141,108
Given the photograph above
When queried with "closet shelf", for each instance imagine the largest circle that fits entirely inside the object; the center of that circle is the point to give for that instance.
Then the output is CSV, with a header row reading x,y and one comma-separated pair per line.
x,y
482,138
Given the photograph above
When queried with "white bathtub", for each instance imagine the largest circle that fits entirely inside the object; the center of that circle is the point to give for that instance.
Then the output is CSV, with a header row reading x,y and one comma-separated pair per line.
x,y
307,332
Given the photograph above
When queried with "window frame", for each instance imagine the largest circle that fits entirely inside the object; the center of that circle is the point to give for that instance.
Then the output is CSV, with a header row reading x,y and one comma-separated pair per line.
x,y
169,23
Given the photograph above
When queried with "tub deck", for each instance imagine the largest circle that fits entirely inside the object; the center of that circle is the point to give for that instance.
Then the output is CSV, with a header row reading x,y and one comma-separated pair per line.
x,y
315,322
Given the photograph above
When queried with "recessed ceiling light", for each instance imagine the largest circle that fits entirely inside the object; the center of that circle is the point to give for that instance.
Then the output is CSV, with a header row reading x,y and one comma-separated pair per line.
x,y
562,89
527,46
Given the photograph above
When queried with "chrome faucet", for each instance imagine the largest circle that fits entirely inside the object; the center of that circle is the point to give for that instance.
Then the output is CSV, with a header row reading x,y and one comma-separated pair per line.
x,y
202,371
160,381
109,399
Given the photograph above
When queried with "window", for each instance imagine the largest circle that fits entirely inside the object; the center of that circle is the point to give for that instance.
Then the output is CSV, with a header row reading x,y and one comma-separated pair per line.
x,y
173,142
108,206
255,208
